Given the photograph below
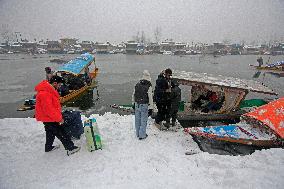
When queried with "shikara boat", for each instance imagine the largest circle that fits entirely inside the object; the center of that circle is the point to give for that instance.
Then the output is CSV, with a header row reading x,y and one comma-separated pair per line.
x,y
73,69
262,127
276,66
231,94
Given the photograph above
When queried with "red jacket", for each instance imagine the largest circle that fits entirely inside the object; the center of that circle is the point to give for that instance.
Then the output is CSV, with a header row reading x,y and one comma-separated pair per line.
x,y
47,108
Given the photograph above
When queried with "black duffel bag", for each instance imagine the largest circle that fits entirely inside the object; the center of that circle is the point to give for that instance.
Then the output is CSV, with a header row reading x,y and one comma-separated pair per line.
x,y
73,125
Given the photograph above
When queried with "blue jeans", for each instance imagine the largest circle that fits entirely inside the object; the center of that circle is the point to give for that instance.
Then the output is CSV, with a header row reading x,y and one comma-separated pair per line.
x,y
141,118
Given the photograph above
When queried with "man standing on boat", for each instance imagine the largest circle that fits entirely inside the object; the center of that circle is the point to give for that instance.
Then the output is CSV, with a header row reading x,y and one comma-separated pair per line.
x,y
48,110
163,99
143,99
260,61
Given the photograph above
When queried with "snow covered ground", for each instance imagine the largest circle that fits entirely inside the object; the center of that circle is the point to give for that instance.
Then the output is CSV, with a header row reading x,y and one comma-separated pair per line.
x,y
125,162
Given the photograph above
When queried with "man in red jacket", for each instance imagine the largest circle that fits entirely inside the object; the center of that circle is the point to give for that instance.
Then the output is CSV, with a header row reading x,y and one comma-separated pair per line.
x,y
48,110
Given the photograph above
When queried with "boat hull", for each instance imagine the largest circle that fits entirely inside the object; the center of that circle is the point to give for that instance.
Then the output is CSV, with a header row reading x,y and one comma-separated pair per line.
x,y
232,134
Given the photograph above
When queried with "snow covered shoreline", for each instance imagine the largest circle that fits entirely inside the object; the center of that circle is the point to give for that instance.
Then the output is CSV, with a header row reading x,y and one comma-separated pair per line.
x,y
126,162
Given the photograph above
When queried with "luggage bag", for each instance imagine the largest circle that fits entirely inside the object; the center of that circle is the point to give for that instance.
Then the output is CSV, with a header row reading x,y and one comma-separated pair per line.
x,y
92,134
73,125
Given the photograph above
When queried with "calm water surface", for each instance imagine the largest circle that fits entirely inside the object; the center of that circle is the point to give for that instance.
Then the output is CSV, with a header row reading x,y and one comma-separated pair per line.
x,y
117,77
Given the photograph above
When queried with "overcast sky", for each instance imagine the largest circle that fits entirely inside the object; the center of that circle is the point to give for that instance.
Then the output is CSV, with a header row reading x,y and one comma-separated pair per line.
x,y
120,20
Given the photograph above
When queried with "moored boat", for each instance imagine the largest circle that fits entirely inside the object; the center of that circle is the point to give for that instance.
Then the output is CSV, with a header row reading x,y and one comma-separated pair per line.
x,y
75,70
262,127
276,66
230,93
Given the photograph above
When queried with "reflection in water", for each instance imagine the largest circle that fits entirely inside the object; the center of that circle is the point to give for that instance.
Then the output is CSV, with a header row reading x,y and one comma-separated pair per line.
x,y
276,74
256,74
85,101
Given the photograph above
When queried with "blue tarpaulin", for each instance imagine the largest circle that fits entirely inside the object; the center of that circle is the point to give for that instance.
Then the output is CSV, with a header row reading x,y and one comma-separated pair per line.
x,y
226,130
278,63
77,65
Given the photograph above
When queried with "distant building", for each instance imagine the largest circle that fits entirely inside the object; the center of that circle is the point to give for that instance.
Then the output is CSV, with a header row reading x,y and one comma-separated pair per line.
x,y
236,49
277,49
131,47
153,48
87,46
167,45
29,47
68,42
54,47
16,47
251,50
179,49
102,48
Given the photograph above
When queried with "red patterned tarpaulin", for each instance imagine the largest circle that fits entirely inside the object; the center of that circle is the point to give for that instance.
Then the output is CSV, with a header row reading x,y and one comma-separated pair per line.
x,y
272,115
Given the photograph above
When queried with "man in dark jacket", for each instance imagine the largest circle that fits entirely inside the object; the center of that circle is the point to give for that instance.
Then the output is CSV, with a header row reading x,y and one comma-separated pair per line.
x,y
175,100
162,97
48,110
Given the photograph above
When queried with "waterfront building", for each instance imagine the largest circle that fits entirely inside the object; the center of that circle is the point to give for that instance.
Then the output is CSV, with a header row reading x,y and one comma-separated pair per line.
x,y
167,46
131,47
102,48
179,48
54,47
153,48
251,50
87,46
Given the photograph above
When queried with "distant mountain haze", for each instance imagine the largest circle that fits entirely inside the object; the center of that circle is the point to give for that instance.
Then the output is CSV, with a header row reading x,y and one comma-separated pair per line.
x,y
115,21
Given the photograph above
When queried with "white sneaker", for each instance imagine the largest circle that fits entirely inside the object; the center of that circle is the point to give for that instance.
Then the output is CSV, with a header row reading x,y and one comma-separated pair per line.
x,y
76,149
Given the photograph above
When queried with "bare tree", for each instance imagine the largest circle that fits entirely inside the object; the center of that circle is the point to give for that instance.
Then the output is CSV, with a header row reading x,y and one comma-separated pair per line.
x,y
137,38
143,37
157,34
6,34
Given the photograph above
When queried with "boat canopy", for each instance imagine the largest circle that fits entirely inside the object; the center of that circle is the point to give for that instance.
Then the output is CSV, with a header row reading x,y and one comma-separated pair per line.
x,y
77,65
274,64
271,115
190,78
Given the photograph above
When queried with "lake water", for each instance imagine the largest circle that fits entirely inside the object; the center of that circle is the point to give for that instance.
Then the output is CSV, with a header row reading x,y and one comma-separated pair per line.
x,y
117,76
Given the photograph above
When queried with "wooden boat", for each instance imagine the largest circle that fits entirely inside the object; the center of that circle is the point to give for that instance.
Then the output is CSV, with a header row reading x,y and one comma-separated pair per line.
x,y
262,127
230,91
235,133
74,68
276,66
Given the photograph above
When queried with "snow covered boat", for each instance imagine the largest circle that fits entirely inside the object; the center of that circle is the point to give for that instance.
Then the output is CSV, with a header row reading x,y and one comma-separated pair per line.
x,y
230,92
73,71
262,127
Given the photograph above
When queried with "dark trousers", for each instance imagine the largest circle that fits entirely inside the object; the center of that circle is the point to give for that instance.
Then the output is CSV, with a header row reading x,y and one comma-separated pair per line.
x,y
163,112
174,116
53,129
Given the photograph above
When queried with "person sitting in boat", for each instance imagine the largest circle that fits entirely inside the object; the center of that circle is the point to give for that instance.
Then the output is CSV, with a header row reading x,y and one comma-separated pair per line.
x,y
198,96
75,82
175,100
48,73
63,90
260,61
213,102
87,77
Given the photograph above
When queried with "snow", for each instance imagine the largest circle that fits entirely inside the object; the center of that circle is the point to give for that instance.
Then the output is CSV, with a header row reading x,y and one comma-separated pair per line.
x,y
125,162
221,81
